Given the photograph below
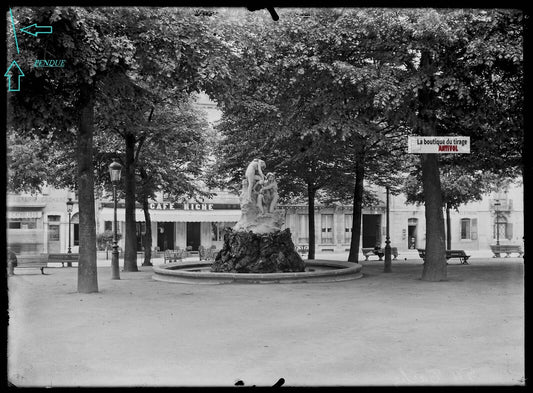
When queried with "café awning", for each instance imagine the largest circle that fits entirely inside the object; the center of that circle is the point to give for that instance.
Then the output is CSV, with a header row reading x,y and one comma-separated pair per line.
x,y
223,215
24,214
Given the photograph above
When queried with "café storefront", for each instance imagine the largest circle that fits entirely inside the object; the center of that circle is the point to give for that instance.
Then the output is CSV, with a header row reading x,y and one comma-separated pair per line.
x,y
177,225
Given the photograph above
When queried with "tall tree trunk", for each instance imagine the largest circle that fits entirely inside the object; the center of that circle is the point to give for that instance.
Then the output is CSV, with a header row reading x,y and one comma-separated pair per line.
x,y
435,260
130,251
448,229
87,267
353,256
311,193
148,234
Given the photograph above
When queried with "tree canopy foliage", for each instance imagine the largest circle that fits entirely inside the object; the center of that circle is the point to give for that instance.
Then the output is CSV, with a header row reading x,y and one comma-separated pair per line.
x,y
325,96
346,87
145,56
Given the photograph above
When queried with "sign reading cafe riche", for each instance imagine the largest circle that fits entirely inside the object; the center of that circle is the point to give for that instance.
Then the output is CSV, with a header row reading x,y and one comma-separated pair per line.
x,y
184,206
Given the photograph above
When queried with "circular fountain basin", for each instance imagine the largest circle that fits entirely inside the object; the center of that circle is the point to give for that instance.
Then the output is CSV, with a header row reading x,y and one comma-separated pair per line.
x,y
318,270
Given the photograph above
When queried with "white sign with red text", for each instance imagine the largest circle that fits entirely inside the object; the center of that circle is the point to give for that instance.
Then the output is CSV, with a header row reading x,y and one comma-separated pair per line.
x,y
438,144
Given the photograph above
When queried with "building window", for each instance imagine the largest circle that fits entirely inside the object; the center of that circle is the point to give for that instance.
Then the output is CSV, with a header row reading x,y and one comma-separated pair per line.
x,y
502,229
108,225
303,229
53,229
22,223
327,228
468,228
348,223
217,230
465,228
53,232
13,225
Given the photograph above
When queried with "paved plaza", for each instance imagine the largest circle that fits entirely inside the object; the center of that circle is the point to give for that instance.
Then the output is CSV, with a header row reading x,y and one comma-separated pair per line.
x,y
383,329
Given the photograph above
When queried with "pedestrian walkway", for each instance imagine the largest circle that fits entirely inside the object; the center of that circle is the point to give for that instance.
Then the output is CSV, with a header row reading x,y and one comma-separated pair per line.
x,y
383,329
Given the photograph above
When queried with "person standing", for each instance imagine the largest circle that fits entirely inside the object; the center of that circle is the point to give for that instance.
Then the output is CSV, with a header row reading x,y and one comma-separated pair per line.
x,y
11,262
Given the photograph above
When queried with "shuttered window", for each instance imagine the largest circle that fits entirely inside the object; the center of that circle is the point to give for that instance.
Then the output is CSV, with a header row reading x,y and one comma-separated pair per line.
x,y
327,228
348,223
466,226
473,229
303,229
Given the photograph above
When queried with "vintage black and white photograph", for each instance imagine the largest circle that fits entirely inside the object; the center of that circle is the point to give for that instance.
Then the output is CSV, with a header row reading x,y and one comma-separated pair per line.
x,y
264,196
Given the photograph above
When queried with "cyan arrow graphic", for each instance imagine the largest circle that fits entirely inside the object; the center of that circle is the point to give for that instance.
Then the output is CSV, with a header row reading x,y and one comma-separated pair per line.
x,y
38,29
16,72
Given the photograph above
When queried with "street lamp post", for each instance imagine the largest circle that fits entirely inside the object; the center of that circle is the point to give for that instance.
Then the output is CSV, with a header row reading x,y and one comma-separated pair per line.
x,y
387,268
114,172
497,205
69,210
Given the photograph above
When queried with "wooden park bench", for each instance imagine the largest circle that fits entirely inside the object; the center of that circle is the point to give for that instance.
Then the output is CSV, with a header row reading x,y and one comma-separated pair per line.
x,y
42,260
39,261
211,253
507,249
458,254
449,254
207,254
173,255
63,258
380,252
302,250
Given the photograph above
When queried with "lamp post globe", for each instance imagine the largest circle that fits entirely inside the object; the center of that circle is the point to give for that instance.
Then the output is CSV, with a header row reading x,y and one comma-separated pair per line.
x,y
114,172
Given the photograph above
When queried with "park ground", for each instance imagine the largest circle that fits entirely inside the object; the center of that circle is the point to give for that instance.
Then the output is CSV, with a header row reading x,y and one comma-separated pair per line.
x,y
388,329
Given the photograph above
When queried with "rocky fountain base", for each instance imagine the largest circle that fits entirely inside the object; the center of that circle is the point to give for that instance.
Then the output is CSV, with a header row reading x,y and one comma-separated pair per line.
x,y
257,258
249,252
256,250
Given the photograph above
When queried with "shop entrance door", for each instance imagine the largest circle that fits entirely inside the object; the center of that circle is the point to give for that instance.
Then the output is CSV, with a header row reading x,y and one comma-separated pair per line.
x,y
165,236
371,230
412,233
193,235
54,238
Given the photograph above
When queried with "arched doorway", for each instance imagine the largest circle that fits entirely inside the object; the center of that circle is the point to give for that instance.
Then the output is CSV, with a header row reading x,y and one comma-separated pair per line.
x,y
75,222
412,235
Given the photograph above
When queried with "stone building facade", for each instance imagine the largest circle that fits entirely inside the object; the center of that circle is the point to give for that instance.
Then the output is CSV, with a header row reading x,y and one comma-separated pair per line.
x,y
40,223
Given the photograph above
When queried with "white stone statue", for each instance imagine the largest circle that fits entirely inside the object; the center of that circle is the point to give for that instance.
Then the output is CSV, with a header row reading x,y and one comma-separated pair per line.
x,y
254,173
267,198
259,198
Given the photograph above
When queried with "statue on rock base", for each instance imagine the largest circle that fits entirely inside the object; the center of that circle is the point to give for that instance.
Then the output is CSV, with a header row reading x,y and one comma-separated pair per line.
x,y
258,200
256,244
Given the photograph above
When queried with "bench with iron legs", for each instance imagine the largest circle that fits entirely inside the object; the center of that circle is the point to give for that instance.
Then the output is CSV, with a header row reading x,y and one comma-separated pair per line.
x,y
368,252
63,258
449,254
458,254
174,255
39,261
302,249
42,260
211,254
207,254
507,249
